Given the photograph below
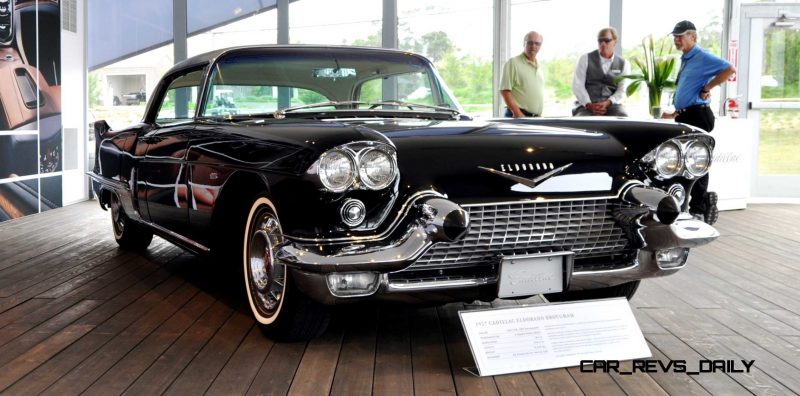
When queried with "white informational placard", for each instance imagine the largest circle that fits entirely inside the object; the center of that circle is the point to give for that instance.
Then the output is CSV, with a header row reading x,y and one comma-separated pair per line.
x,y
539,337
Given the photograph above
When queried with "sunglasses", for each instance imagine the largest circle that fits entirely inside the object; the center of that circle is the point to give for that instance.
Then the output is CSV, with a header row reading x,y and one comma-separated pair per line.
x,y
604,40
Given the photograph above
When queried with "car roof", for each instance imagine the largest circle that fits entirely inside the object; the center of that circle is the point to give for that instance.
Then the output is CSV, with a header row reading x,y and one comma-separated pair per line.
x,y
211,56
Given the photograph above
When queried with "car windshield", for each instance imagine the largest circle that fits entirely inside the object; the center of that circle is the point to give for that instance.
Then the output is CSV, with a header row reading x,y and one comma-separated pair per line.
x,y
257,84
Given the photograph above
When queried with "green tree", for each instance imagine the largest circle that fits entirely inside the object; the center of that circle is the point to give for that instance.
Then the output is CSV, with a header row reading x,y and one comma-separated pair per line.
x,y
558,76
95,93
709,35
781,54
436,45
373,40
307,96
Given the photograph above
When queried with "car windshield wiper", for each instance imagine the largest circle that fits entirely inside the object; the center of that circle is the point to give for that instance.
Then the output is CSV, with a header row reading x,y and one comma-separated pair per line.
x,y
282,112
411,106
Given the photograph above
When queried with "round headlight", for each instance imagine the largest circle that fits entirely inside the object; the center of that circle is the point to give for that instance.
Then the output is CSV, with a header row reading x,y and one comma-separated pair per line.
x,y
377,169
668,160
336,170
698,159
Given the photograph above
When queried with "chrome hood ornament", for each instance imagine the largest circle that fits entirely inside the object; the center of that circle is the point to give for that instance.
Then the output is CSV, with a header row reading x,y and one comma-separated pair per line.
x,y
524,180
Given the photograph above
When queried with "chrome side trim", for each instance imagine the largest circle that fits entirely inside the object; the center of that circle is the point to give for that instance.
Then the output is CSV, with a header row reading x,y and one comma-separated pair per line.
x,y
181,238
124,193
122,190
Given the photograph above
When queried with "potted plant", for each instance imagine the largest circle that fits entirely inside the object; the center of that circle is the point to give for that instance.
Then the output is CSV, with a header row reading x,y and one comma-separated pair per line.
x,y
654,71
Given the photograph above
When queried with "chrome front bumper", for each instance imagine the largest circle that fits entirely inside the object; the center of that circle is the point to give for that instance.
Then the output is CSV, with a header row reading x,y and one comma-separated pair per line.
x,y
654,234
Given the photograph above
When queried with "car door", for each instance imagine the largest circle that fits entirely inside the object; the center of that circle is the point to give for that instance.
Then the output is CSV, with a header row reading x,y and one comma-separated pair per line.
x,y
163,171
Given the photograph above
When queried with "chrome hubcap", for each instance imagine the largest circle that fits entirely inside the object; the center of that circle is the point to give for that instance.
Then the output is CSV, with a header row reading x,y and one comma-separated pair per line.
x,y
116,215
267,277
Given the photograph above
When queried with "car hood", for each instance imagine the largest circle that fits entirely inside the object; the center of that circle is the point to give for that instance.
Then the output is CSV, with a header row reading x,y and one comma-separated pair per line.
x,y
466,160
474,161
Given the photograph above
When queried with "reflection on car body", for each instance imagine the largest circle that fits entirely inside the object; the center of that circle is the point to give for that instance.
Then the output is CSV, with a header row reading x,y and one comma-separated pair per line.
x,y
330,184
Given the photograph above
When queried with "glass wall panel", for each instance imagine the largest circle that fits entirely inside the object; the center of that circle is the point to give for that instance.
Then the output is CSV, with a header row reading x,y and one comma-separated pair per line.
x,y
257,28
779,129
569,29
342,22
457,36
639,21
118,91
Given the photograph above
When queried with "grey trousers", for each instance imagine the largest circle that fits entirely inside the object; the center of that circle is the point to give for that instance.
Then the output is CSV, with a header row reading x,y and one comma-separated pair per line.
x,y
615,110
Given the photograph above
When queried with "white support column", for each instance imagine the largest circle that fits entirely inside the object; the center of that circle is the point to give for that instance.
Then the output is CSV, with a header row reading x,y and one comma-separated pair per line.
x,y
283,21
284,94
501,49
389,29
389,40
179,29
615,20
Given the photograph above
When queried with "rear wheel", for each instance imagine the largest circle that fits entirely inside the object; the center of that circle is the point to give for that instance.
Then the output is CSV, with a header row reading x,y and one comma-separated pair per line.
x,y
282,311
129,234
626,290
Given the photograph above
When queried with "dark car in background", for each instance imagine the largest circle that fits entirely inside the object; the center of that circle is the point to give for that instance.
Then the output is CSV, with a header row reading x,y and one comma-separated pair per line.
x,y
348,174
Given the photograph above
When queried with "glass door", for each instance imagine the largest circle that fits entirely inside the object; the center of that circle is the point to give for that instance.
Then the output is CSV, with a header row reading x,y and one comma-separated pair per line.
x,y
773,96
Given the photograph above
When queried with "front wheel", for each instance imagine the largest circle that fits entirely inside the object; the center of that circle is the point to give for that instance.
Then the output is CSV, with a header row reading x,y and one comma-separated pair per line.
x,y
282,311
626,290
128,234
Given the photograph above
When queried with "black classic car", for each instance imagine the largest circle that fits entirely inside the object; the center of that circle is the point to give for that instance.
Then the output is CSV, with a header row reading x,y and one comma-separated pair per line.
x,y
351,173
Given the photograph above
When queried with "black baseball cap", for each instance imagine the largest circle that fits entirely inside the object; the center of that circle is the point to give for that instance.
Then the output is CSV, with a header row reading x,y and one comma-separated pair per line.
x,y
682,27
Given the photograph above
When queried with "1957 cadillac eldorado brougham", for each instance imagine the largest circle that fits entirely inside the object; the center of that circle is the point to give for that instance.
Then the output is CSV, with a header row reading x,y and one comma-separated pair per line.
x,y
341,174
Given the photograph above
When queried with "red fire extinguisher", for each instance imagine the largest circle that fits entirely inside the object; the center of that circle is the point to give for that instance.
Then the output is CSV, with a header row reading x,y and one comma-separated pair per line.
x,y
733,108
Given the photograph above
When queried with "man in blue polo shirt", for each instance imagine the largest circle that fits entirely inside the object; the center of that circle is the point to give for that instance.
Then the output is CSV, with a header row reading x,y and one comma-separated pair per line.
x,y
700,72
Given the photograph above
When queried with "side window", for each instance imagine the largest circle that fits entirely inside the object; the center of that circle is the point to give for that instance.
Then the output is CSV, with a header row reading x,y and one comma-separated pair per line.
x,y
180,101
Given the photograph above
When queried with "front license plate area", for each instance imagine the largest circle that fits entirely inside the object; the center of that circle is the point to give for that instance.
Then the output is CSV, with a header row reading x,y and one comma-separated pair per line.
x,y
534,274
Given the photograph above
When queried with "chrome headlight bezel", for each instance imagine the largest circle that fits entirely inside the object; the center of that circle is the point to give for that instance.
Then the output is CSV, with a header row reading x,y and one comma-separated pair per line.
x,y
691,158
389,169
685,165
675,167
358,155
326,161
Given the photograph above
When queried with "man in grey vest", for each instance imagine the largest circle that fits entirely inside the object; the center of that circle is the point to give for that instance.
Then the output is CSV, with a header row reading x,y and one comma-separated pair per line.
x,y
593,83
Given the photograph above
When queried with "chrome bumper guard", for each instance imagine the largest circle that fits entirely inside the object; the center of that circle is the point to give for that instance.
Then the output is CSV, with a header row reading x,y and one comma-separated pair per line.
x,y
439,220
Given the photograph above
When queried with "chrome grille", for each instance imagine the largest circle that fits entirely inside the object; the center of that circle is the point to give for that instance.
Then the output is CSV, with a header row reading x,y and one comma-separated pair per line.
x,y
585,227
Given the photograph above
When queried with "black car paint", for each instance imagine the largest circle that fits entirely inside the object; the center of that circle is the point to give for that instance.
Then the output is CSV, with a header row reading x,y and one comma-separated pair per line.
x,y
437,156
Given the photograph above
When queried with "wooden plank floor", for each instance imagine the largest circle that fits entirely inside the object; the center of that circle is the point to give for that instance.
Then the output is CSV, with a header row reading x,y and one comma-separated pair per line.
x,y
77,315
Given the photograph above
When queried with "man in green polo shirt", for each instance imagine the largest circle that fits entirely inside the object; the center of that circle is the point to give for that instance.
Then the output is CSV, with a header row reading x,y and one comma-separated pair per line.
x,y
522,84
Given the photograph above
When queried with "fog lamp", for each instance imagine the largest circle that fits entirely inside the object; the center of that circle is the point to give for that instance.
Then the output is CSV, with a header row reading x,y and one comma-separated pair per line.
x,y
677,191
353,212
672,258
352,284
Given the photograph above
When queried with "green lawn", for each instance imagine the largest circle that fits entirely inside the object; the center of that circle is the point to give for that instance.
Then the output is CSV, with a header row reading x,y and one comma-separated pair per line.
x,y
779,148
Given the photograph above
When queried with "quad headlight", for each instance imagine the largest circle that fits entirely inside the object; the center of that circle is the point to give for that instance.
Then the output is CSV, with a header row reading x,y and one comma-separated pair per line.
x,y
336,170
359,165
376,169
687,157
698,159
668,161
